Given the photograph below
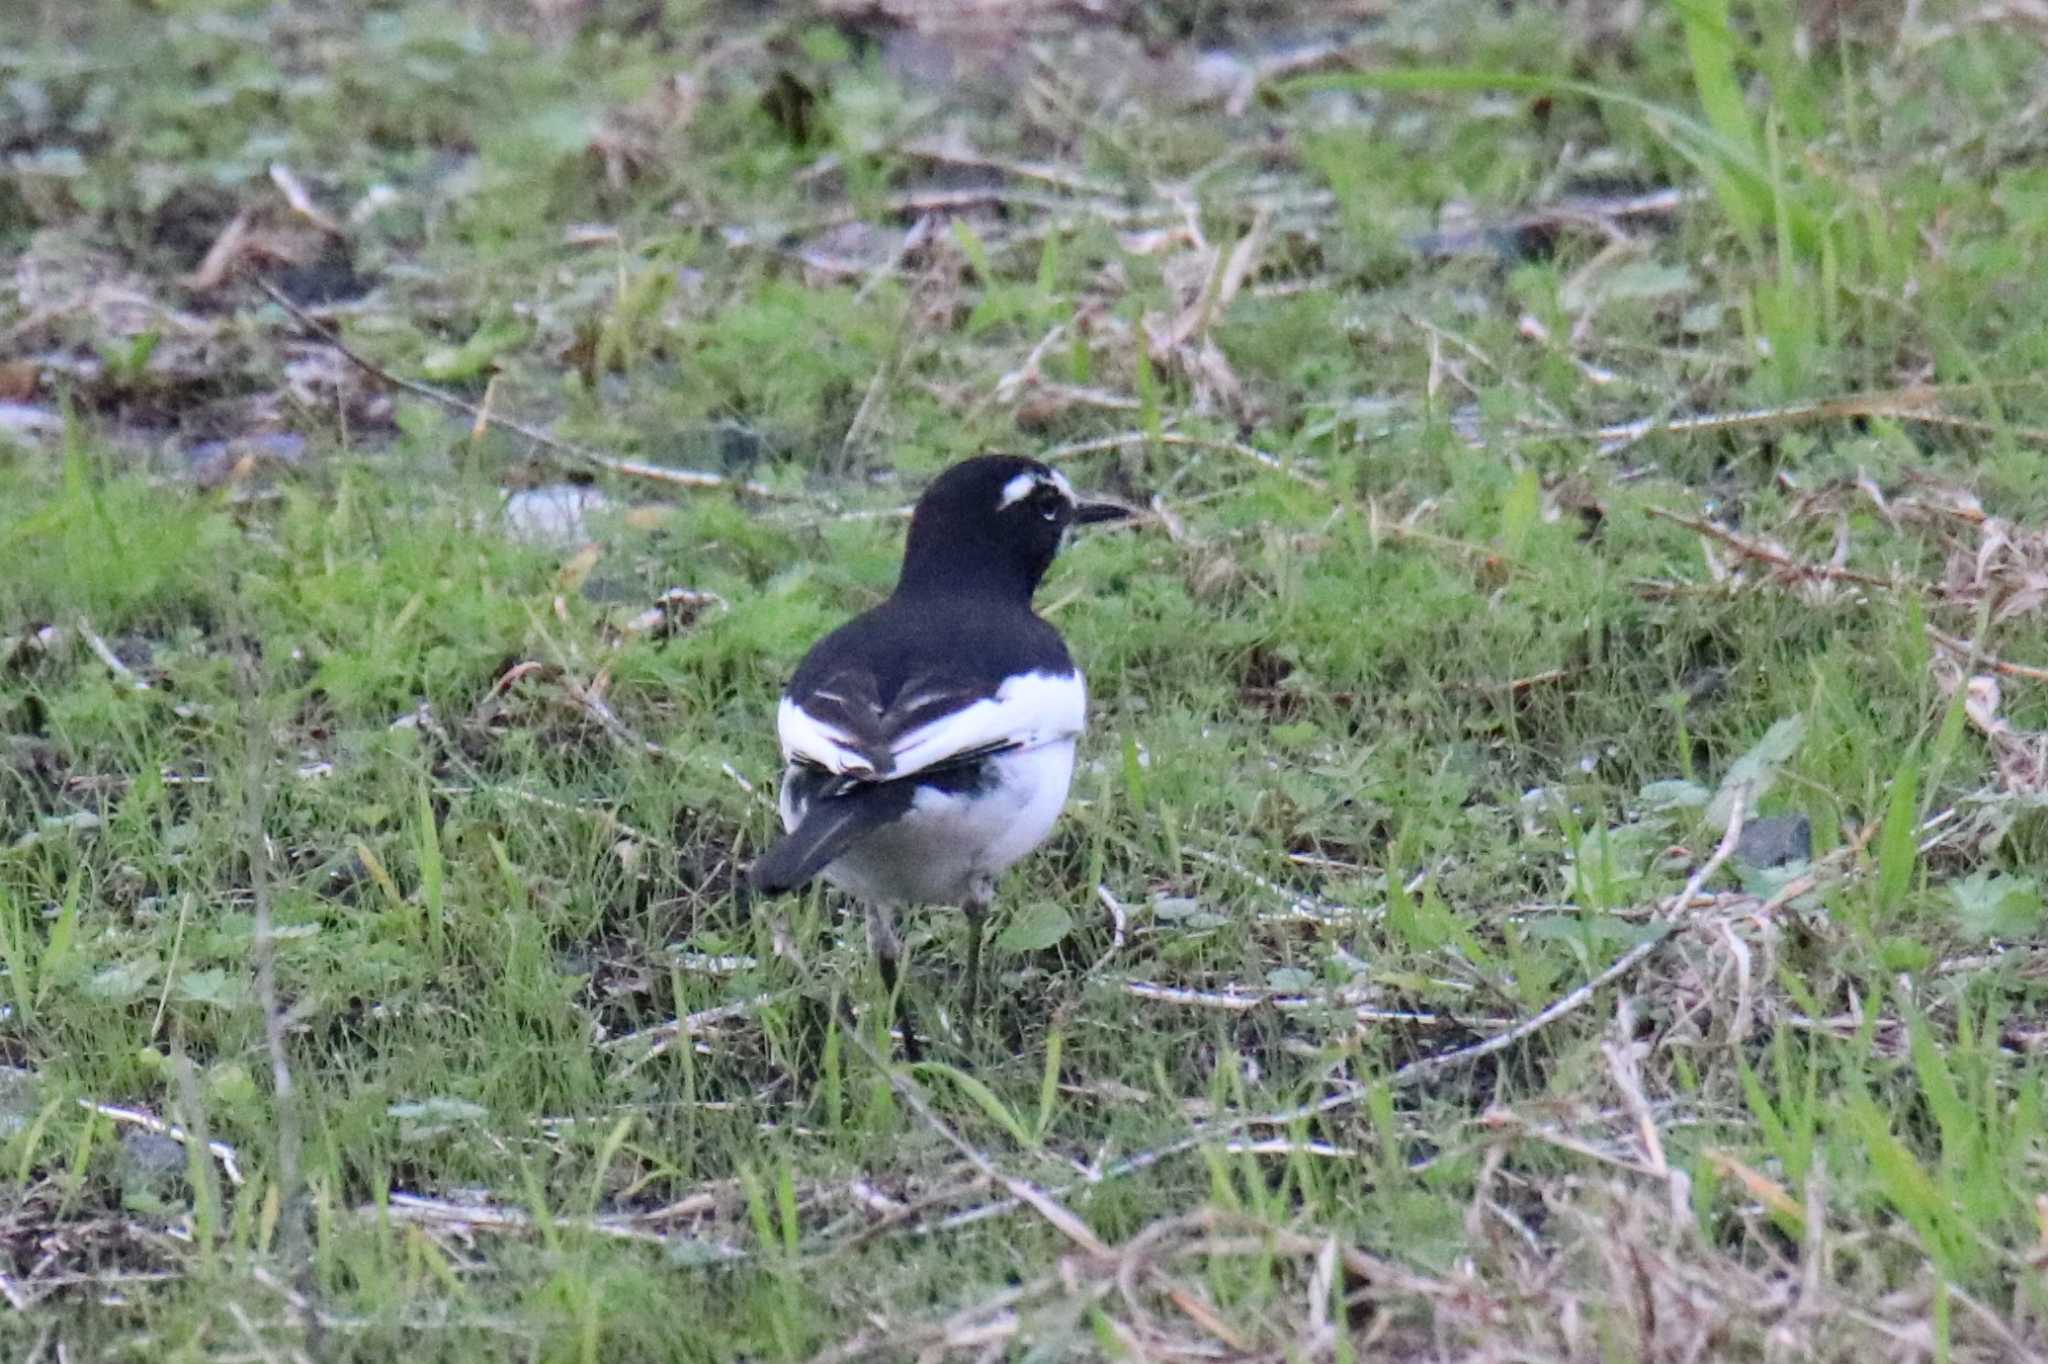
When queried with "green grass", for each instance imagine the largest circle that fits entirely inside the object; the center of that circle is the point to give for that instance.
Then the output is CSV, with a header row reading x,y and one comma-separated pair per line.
x,y
1407,734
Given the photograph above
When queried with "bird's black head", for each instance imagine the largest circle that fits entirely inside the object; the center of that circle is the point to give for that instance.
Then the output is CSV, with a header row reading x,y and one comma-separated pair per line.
x,y
993,523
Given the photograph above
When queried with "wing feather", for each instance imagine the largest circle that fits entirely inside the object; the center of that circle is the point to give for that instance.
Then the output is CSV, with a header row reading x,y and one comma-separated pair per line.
x,y
842,726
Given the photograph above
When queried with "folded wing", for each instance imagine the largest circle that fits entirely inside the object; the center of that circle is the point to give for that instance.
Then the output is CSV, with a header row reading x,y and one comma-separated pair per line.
x,y
842,725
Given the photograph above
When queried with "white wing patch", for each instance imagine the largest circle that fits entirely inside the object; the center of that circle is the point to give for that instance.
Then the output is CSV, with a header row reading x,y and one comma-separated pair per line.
x,y
804,736
1029,711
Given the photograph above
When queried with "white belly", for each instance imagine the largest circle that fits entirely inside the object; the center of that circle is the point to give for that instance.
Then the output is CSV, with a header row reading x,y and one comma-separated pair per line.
x,y
949,849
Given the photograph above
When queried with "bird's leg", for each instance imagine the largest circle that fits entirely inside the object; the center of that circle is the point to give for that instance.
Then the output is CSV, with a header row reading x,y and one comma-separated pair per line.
x,y
888,949
976,910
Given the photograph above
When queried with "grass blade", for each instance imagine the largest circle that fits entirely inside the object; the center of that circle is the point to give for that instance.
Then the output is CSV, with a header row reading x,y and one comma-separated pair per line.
x,y
986,1100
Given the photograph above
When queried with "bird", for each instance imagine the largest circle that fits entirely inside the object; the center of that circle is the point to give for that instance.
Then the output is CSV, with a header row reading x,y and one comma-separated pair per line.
x,y
928,743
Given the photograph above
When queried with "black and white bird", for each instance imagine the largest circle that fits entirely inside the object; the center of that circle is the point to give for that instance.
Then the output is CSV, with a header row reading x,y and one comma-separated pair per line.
x,y
929,743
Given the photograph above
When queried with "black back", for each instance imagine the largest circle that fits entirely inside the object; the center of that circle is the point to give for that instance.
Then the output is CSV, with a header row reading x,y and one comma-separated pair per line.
x,y
915,659
977,644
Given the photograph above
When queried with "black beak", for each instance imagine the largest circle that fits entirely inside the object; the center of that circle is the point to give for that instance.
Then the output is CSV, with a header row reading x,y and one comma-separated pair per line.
x,y
1090,513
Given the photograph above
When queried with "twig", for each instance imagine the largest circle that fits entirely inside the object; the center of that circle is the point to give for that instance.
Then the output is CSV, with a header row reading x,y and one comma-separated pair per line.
x,y
1565,1141
21,1302
1414,1071
741,781
434,1212
1515,685
121,671
984,1324
1992,1322
1378,524
1623,1054
1093,445
1976,654
604,819
878,385
1027,374
1311,907
301,200
1752,550
1022,1190
598,709
1983,658
1250,452
263,1351
1622,966
892,1214
149,1122
209,1204
295,1242
920,232
163,999
1118,921
1280,1146
1233,1001
1144,1160
1182,439
662,1036
1217,292
228,247
1471,348
911,204
1046,172
611,464
37,320
438,1319
1800,885
1903,404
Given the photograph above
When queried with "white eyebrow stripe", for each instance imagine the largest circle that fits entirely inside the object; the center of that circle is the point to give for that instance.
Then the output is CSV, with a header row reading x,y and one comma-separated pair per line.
x,y
1017,489
1023,485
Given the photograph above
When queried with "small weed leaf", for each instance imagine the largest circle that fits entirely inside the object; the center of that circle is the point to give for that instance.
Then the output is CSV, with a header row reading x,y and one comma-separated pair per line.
x,y
1036,927
424,1119
1994,905
1756,772
215,987
124,982
1675,795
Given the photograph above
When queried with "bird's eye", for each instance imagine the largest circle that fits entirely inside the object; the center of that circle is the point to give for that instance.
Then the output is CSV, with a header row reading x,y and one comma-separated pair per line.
x,y
1047,502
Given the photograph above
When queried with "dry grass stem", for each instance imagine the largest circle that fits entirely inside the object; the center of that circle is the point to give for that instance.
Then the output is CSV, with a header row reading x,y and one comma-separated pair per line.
x,y
230,1165
620,468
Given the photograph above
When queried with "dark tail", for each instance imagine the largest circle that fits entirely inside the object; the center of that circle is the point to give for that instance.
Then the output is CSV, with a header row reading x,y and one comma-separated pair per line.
x,y
829,829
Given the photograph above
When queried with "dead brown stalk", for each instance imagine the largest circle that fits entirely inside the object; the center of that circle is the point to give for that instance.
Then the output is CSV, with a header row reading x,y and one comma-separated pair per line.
x,y
479,416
